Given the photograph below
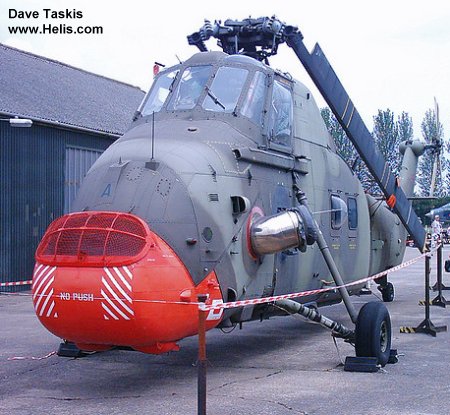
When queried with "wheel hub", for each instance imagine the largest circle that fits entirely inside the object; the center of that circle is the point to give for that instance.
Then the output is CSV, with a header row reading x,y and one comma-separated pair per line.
x,y
383,337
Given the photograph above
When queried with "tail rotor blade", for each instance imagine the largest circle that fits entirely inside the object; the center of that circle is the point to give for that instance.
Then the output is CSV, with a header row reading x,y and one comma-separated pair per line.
x,y
436,142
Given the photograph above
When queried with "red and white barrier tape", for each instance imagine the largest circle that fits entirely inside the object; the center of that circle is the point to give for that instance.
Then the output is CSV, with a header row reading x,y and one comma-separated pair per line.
x,y
11,284
31,357
242,303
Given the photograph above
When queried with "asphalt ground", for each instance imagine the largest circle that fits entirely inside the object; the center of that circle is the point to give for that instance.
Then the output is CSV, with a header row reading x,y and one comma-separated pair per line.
x,y
281,366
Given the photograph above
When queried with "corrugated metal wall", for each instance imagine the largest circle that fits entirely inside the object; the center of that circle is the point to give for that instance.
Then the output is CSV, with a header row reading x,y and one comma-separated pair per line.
x,y
32,169
77,163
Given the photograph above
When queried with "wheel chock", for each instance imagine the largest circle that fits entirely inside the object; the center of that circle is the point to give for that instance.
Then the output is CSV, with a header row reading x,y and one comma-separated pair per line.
x,y
68,349
393,357
407,329
424,303
365,291
361,364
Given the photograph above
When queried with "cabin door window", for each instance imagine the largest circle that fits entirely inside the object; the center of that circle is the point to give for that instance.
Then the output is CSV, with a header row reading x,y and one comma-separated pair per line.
x,y
280,116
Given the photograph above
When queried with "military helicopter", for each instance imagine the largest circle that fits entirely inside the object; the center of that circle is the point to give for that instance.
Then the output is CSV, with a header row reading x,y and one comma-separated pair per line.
x,y
442,211
227,184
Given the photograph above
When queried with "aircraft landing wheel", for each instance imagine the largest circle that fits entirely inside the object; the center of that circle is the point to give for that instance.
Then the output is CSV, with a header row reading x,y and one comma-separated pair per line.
x,y
388,292
373,332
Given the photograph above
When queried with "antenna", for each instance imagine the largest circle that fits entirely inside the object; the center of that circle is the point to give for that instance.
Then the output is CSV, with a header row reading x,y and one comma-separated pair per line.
x,y
152,164
153,136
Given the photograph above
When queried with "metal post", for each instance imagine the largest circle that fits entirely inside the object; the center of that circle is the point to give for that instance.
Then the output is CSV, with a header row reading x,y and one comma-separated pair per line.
x,y
439,266
439,285
153,135
202,363
439,300
427,287
427,326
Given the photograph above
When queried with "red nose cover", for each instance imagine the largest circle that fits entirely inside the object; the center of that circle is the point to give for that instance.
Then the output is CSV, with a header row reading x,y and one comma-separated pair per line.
x,y
104,279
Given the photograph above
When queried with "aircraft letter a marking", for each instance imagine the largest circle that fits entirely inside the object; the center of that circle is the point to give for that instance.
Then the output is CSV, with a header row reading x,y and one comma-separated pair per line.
x,y
107,191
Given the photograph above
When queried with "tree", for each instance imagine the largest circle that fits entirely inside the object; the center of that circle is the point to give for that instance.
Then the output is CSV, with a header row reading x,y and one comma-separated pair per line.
x,y
346,149
446,168
344,146
405,127
387,137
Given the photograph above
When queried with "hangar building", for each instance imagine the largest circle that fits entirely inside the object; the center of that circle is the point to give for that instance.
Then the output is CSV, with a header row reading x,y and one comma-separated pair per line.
x,y
76,115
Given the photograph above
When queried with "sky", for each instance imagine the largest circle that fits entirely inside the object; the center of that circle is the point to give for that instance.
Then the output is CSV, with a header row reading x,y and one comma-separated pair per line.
x,y
388,54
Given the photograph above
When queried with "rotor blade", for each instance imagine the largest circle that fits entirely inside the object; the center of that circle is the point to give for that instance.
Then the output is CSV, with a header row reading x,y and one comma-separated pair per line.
x,y
437,150
438,171
434,174
437,139
436,113
325,79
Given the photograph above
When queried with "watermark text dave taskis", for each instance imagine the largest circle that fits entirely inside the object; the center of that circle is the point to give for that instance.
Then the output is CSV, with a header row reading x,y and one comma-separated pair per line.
x,y
48,22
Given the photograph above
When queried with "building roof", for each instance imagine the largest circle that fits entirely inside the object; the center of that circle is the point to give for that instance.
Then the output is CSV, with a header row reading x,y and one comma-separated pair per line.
x,y
43,89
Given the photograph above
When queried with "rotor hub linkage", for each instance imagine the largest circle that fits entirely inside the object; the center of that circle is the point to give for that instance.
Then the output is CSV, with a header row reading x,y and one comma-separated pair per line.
x,y
258,38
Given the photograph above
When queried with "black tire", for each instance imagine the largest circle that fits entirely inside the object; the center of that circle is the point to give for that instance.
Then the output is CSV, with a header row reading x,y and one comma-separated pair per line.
x,y
373,332
388,292
447,265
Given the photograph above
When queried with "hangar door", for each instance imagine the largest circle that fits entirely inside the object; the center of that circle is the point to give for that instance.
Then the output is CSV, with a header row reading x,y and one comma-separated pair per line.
x,y
78,162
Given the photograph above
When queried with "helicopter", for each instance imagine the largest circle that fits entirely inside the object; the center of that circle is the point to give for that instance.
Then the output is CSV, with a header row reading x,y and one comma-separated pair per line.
x,y
441,211
227,184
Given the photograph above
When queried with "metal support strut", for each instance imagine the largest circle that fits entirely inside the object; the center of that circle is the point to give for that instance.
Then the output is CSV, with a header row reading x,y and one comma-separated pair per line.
x,y
293,307
426,326
439,300
325,250
336,276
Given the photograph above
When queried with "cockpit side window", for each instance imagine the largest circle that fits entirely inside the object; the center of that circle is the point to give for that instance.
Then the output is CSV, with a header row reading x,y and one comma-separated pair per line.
x,y
225,90
158,93
190,87
281,115
338,212
253,104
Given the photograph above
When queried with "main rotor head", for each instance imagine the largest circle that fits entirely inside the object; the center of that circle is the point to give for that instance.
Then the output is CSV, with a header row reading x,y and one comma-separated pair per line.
x,y
258,38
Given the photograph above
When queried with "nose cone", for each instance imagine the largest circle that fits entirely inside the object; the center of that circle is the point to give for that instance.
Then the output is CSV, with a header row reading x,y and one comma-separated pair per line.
x,y
104,279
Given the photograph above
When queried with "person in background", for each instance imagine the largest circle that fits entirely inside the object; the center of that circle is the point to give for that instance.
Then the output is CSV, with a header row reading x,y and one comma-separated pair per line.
x,y
436,229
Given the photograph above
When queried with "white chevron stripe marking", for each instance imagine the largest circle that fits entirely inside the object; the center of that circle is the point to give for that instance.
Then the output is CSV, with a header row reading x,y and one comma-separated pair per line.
x,y
36,293
43,294
105,307
128,272
50,309
113,280
116,297
122,278
38,277
44,306
38,269
113,306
